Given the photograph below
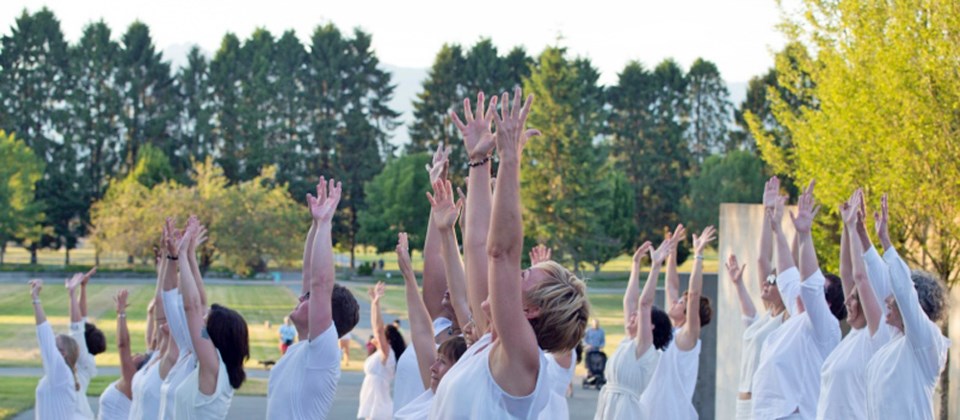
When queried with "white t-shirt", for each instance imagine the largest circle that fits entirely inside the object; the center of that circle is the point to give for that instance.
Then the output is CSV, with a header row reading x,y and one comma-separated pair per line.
x,y
191,404
408,385
753,338
304,381
86,367
470,392
902,375
146,392
418,409
56,396
113,404
787,380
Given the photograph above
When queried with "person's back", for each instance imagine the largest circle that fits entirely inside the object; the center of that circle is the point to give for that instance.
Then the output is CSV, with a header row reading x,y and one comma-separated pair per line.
x,y
309,368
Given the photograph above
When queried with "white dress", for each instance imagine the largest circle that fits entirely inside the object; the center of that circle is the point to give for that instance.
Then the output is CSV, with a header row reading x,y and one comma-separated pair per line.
x,y
146,392
902,375
56,396
418,409
468,390
627,379
559,379
86,367
375,399
191,404
113,404
304,381
670,391
755,334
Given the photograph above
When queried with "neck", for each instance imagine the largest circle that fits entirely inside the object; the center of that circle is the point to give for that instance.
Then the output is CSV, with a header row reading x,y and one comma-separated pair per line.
x,y
776,309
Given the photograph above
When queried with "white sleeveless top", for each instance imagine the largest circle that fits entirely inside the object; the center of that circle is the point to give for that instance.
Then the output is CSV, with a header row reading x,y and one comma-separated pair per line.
x,y
670,391
146,392
468,391
559,379
191,404
627,378
113,404
375,399
418,409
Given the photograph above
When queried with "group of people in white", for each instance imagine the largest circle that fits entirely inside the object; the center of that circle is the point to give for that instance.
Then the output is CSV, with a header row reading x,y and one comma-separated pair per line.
x,y
472,355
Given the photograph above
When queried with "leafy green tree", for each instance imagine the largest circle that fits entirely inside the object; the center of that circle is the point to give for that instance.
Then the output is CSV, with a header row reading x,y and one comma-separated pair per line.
x,y
20,170
396,202
614,232
709,105
735,177
561,183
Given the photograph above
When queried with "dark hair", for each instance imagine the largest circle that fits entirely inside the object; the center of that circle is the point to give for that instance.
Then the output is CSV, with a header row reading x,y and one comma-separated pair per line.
x,y
833,290
662,328
96,341
345,310
706,309
228,331
395,339
453,348
930,293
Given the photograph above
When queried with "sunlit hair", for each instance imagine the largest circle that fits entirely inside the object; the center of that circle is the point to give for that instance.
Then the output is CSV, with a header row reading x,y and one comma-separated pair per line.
x,y
564,308
71,353
931,293
453,348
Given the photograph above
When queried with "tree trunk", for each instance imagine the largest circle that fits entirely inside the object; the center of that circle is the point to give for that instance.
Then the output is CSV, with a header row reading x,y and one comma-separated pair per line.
x,y
129,259
945,377
3,250
66,258
33,254
96,258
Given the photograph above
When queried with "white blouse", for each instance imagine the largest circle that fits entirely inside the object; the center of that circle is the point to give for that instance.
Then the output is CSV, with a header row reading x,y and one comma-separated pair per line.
x,y
191,404
902,375
56,396
753,338
146,392
86,367
670,392
113,404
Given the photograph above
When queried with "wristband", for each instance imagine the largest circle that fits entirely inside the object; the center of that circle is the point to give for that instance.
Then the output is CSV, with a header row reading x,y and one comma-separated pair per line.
x,y
698,257
171,257
474,164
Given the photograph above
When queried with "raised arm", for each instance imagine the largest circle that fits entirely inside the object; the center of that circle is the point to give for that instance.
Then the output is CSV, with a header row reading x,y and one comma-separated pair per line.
x,y
771,201
539,254
421,329
812,292
444,216
172,290
672,284
846,263
376,320
788,277
127,366
647,296
735,272
632,295
207,357
434,282
49,353
307,269
690,333
83,291
518,352
869,302
72,284
478,141
807,209
198,239
323,276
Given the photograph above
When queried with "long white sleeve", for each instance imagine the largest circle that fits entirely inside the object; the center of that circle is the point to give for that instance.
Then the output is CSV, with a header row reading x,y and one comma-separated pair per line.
x,y
826,327
177,320
54,366
788,282
879,275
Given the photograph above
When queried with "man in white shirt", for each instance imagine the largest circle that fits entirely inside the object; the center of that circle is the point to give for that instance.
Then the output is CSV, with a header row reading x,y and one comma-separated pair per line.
x,y
787,381
304,381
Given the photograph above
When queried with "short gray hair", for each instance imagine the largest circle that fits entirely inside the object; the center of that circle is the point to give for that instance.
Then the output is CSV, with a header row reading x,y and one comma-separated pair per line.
x,y
931,293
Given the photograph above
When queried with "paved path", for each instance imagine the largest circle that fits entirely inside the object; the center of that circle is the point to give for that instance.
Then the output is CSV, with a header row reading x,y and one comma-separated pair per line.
x,y
346,402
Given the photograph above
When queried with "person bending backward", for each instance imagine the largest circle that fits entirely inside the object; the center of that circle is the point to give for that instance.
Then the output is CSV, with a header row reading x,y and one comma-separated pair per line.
x,y
786,384
670,392
433,361
756,329
380,367
507,378
648,333
89,338
116,398
304,381
902,375
843,387
435,295
218,336
59,388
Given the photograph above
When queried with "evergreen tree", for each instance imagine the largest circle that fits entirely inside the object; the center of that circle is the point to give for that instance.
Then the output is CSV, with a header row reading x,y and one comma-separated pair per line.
x,y
709,106
226,73
394,203
195,112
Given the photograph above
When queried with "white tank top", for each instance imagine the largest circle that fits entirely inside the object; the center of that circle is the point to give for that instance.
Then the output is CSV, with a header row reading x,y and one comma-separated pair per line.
x,y
113,404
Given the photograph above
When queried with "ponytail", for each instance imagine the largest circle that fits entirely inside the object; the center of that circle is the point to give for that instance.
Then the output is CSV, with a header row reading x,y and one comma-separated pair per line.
x,y
76,381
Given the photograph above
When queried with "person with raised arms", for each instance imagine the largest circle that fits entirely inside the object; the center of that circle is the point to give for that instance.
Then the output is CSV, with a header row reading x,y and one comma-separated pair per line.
x,y
304,381
380,367
116,398
90,339
59,388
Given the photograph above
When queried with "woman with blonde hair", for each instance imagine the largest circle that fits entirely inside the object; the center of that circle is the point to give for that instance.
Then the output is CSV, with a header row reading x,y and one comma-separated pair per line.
x,y
59,388
507,378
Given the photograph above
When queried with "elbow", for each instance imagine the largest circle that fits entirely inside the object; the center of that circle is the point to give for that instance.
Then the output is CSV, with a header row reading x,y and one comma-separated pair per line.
x,y
497,251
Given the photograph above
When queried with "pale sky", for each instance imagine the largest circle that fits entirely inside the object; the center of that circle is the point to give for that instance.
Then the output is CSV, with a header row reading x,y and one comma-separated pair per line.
x,y
738,35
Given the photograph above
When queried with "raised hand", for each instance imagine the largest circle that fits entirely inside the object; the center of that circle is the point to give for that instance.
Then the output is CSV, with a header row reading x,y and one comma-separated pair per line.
x,y
778,207
539,254
440,163
35,286
74,281
171,236
850,208
806,210
324,205
734,269
512,133
403,253
700,242
771,192
376,292
658,255
183,244
882,222
121,300
445,211
642,251
477,137
87,276
678,235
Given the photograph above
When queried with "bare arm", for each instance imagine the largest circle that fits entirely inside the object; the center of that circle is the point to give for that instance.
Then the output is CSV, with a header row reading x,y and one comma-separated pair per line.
x,y
72,285
127,367
846,267
83,291
478,141
789,289
376,321
200,238
672,284
735,271
647,296
307,269
206,352
632,295
444,216
771,199
803,222
421,329
323,275
434,282
690,333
